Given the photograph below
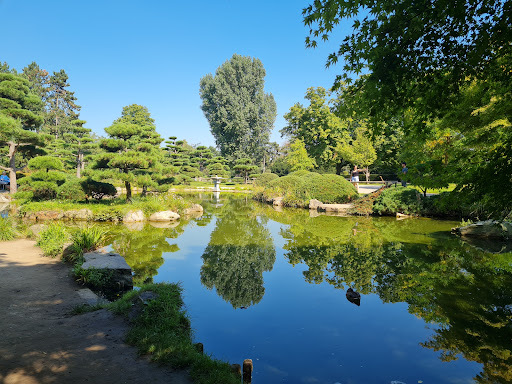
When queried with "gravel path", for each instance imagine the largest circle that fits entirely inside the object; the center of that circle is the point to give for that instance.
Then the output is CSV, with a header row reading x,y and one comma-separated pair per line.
x,y
40,342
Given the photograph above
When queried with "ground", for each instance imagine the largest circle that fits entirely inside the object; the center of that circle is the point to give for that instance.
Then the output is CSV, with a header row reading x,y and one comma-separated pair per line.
x,y
41,342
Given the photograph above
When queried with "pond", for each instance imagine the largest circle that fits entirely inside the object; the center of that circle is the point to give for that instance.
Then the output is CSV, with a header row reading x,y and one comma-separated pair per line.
x,y
271,286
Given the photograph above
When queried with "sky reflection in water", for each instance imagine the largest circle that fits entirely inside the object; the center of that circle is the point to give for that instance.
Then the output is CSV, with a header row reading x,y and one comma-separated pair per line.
x,y
271,286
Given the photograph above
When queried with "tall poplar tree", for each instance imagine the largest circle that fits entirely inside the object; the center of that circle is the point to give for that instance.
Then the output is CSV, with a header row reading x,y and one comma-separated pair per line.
x,y
240,113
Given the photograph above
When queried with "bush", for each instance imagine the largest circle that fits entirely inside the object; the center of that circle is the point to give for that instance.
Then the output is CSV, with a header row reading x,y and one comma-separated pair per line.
x,y
291,188
52,239
329,188
298,188
97,189
7,229
43,190
264,179
402,200
71,190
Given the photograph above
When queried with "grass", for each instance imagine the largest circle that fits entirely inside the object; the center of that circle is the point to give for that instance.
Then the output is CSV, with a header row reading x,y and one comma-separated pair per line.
x,y
7,229
52,239
84,240
111,210
162,330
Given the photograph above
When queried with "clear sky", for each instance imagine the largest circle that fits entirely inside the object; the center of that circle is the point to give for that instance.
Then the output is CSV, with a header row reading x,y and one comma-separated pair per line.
x,y
154,53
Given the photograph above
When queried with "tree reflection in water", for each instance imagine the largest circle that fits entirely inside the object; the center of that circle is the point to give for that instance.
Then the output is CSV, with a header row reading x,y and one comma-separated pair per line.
x,y
143,249
239,251
466,292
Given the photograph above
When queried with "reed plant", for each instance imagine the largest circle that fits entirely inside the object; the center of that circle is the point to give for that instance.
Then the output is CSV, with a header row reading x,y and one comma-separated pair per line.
x,y
52,239
7,229
84,240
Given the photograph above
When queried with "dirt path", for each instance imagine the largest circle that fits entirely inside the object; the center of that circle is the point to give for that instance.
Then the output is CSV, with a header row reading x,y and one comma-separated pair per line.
x,y
41,343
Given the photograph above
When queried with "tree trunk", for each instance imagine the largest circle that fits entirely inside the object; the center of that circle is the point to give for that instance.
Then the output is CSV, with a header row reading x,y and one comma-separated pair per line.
x,y
367,174
144,190
12,168
338,168
128,187
79,163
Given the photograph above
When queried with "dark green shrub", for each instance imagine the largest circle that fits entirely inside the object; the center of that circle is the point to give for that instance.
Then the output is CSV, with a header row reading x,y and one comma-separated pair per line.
x,y
401,200
264,179
97,189
43,190
71,190
280,167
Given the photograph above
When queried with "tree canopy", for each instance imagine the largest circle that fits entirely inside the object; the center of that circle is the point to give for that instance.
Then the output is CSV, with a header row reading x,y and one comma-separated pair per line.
x,y
241,115
17,122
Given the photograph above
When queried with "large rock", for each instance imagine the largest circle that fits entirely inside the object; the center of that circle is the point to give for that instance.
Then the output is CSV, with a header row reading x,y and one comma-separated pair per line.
x,y
164,216
277,201
486,229
45,215
335,208
82,214
134,216
122,273
314,203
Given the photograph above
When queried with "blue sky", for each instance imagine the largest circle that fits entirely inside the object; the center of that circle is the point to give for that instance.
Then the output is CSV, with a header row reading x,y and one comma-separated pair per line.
x,y
154,53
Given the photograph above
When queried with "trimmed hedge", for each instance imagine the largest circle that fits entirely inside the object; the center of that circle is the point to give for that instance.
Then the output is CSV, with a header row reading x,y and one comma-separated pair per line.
x,y
298,188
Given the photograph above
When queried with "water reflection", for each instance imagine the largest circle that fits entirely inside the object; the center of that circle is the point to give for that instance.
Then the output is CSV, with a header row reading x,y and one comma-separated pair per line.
x,y
143,247
239,251
464,293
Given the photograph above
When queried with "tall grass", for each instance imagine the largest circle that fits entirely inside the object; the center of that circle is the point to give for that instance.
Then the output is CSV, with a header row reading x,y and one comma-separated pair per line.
x,y
52,239
7,229
162,330
84,240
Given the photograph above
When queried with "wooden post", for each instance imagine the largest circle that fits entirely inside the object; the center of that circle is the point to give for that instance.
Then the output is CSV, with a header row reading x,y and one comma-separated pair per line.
x,y
247,368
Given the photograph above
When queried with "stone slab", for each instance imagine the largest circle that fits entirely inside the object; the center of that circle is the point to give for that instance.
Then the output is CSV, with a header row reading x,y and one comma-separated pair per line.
x,y
108,260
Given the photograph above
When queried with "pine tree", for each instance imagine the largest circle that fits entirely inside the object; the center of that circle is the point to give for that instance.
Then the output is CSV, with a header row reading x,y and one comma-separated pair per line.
x,y
132,152
17,123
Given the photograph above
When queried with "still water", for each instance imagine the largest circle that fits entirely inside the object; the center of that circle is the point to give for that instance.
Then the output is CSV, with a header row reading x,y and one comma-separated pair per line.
x,y
271,286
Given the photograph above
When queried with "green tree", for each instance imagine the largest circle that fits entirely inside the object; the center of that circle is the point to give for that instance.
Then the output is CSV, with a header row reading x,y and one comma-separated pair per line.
x,y
318,127
359,150
44,182
433,61
61,105
80,143
245,167
241,115
131,151
17,124
297,157
416,54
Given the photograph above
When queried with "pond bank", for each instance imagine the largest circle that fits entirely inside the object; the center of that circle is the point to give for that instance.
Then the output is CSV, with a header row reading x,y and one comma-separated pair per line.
x,y
42,342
